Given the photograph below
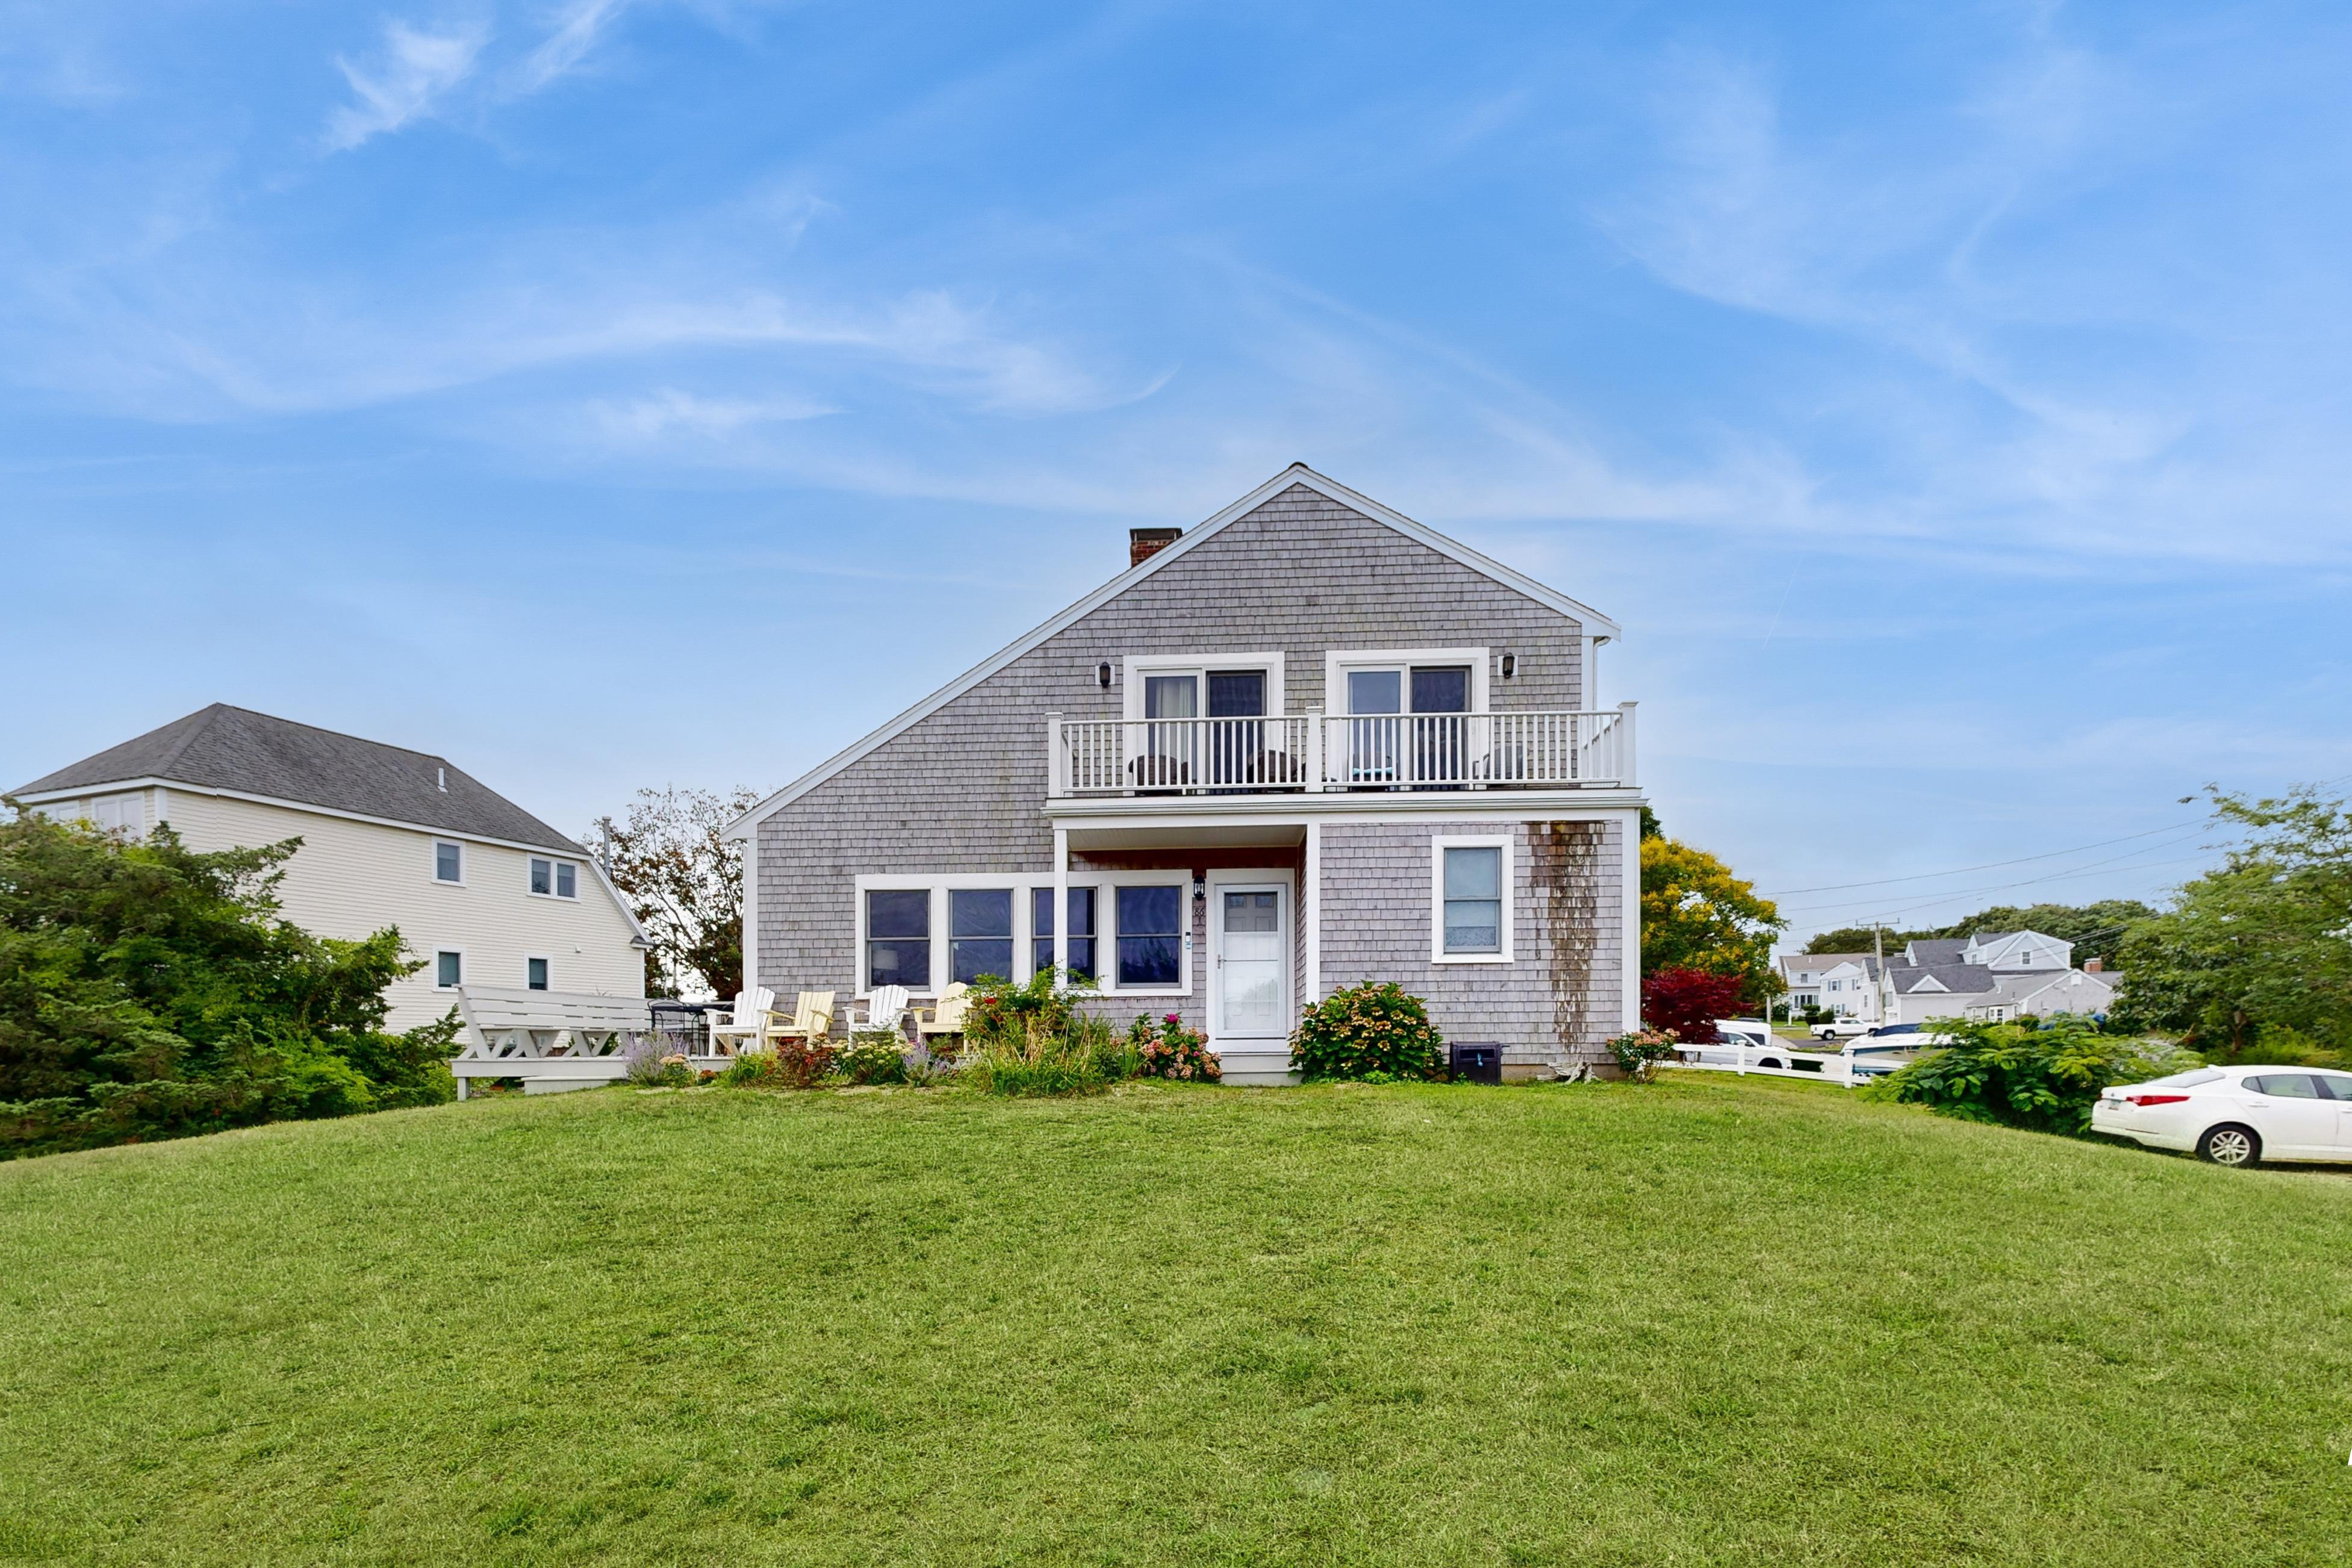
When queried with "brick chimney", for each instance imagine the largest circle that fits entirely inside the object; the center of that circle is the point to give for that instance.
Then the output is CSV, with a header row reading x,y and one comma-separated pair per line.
x,y
2093,965
1143,543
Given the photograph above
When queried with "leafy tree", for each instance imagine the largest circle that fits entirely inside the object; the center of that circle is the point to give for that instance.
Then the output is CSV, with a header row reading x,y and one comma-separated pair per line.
x,y
685,883
1696,915
1688,1001
147,991
2263,943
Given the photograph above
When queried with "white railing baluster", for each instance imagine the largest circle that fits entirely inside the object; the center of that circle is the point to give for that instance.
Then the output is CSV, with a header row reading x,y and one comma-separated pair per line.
x,y
1314,751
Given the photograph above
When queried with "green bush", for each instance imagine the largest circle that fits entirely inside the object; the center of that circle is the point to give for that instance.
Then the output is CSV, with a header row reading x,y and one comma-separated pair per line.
x,y
875,1056
148,991
793,1064
2044,1074
1365,1029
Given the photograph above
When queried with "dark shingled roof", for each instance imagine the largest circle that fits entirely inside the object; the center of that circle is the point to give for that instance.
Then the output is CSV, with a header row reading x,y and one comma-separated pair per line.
x,y
237,749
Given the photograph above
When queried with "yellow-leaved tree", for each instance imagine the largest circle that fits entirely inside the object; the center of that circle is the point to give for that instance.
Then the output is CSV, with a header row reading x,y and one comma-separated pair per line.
x,y
1696,915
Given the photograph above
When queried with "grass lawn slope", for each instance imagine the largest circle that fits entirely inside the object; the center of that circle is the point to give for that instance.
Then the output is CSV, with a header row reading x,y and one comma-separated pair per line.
x,y
1710,1320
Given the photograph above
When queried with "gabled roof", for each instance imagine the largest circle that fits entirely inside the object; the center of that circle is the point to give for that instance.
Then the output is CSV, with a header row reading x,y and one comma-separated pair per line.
x,y
1936,950
1599,627
1960,978
1823,962
243,752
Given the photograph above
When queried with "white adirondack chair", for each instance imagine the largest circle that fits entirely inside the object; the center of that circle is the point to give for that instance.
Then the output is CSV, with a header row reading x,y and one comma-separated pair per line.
x,y
883,1010
811,1018
751,1026
946,1017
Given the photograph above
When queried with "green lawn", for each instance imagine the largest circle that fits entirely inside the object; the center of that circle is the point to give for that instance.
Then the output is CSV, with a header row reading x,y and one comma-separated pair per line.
x,y
1709,1320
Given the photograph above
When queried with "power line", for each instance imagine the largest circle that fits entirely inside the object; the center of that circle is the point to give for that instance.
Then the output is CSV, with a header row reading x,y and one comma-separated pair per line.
x,y
2004,887
1989,865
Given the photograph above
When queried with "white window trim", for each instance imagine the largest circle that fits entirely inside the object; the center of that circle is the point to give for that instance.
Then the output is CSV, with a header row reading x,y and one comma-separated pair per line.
x,y
552,862
1438,845
433,865
1135,666
1339,661
1024,886
438,951
530,958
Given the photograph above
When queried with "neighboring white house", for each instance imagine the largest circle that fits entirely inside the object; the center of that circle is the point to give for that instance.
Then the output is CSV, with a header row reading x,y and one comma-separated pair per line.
x,y
1840,982
481,889
1994,976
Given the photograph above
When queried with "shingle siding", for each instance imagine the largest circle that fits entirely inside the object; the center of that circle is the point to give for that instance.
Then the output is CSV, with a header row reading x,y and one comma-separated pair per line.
x,y
963,791
1560,996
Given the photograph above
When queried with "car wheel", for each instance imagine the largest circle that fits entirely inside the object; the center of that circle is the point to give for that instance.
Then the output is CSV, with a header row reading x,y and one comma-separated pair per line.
x,y
1771,1062
2231,1144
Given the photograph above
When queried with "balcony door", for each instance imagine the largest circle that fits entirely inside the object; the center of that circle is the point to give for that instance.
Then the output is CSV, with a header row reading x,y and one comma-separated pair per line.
x,y
1405,724
1178,752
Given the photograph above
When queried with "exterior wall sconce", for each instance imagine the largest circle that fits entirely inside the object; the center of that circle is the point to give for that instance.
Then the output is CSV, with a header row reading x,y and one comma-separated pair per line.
x,y
1102,675
1510,665
1200,890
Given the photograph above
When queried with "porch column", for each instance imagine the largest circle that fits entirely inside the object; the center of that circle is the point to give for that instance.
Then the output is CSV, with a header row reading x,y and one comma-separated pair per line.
x,y
1630,823
1062,908
750,911
1310,910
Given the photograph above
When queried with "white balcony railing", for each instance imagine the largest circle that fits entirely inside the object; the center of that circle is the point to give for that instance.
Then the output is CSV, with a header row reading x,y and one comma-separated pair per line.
x,y
1310,752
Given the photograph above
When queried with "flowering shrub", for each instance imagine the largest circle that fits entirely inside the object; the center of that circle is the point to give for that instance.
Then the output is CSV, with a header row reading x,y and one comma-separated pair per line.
x,y
1365,1029
649,1067
1169,1049
998,1009
1640,1052
793,1064
875,1056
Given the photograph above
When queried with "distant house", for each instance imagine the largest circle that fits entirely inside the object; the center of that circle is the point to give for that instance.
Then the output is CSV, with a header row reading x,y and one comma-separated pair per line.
x,y
1840,982
1994,976
481,889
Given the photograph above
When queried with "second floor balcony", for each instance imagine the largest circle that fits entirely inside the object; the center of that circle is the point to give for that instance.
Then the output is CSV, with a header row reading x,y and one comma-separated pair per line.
x,y
1312,752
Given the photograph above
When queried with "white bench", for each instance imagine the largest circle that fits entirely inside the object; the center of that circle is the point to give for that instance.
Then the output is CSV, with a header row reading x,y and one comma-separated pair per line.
x,y
551,1040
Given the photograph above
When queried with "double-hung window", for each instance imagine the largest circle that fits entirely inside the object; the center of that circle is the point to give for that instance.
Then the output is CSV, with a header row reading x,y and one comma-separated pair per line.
x,y
1082,932
448,969
1471,906
554,879
980,934
1151,936
534,974
898,937
449,861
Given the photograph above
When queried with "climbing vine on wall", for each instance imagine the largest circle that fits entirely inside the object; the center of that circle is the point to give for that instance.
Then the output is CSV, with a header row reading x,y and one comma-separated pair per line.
x,y
1568,858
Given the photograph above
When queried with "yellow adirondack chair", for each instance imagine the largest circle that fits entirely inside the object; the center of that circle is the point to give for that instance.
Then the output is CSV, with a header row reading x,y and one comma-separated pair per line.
x,y
811,1018
945,1017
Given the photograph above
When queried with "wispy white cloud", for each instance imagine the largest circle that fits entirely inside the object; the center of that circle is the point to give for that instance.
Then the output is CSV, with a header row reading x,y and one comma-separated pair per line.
x,y
669,413
414,72
578,28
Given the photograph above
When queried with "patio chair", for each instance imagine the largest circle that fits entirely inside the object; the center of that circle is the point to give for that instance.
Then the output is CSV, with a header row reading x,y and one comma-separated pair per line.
x,y
811,1018
886,1009
753,1021
1160,773
946,1017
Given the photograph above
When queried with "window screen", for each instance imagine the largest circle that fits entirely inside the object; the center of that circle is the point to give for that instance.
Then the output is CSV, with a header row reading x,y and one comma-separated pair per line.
x,y
898,937
1474,900
980,934
1151,936
1082,931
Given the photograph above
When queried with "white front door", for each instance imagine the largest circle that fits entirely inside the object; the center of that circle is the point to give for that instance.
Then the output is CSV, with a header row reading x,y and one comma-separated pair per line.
x,y
1249,998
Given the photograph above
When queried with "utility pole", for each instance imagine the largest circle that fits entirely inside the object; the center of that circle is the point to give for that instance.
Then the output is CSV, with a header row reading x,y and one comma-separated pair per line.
x,y
1878,979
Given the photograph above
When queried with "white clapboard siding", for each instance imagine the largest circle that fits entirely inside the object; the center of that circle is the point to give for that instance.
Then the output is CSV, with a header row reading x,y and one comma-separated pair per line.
x,y
351,879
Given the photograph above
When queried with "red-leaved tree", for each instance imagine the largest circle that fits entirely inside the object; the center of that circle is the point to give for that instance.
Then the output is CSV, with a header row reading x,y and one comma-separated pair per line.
x,y
1689,1001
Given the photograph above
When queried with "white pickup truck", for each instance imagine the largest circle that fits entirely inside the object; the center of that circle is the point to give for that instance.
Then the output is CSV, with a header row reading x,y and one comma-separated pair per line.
x,y
1840,1029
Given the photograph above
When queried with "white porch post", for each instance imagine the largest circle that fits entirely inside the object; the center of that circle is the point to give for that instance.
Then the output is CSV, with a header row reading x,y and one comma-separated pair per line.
x,y
750,910
1625,742
1062,908
1632,937
1310,910
1314,756
1057,759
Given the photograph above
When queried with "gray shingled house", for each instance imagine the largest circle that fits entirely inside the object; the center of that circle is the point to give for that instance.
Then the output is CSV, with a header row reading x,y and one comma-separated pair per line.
x,y
1308,742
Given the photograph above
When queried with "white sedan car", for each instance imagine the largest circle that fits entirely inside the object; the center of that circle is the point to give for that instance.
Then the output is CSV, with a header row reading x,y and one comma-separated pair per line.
x,y
2235,1116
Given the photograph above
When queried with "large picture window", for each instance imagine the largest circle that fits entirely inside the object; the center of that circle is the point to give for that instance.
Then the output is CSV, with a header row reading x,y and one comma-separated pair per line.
x,y
898,937
1082,932
980,934
1151,936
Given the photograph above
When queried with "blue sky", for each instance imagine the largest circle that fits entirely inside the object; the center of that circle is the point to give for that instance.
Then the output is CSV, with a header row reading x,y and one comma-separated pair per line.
x,y
1949,400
